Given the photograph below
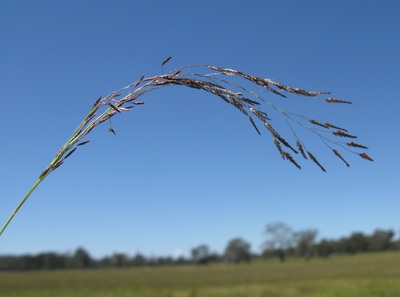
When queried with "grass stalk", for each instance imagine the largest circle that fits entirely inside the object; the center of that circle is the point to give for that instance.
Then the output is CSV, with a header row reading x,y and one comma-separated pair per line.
x,y
38,181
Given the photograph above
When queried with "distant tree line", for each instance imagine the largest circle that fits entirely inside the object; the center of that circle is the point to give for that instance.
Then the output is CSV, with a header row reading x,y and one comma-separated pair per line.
x,y
281,241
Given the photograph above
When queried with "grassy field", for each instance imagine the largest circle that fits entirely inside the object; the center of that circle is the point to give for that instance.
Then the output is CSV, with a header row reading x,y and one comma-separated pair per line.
x,y
362,275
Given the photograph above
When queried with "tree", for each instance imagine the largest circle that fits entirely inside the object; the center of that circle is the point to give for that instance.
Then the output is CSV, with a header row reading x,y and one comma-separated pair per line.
x,y
51,261
381,240
139,260
164,260
325,248
106,262
237,250
201,254
120,259
81,259
356,242
249,102
280,238
305,241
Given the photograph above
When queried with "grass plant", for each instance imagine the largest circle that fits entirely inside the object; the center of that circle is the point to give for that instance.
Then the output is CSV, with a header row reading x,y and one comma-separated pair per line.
x,y
221,82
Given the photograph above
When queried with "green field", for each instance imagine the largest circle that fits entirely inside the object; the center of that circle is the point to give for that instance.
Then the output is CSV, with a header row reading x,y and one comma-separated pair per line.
x,y
361,275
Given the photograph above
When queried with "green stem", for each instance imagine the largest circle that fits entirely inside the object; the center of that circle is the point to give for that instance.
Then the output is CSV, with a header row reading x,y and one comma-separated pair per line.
x,y
39,180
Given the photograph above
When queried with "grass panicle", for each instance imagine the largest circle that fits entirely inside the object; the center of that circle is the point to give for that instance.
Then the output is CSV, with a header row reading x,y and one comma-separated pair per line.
x,y
244,99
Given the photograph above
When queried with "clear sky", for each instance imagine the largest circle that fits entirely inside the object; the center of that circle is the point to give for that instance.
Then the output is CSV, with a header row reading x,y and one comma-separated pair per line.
x,y
186,169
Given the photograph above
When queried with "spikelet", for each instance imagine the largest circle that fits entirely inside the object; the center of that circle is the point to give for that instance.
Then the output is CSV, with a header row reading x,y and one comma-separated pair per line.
x,y
263,116
112,131
70,153
316,161
278,146
276,135
334,100
341,158
287,156
333,126
96,102
300,147
139,81
353,144
177,72
254,125
342,134
83,142
46,171
318,123
366,157
114,107
165,61
58,164
295,90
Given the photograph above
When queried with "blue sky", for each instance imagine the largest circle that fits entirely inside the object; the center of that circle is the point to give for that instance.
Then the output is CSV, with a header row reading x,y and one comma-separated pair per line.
x,y
186,169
